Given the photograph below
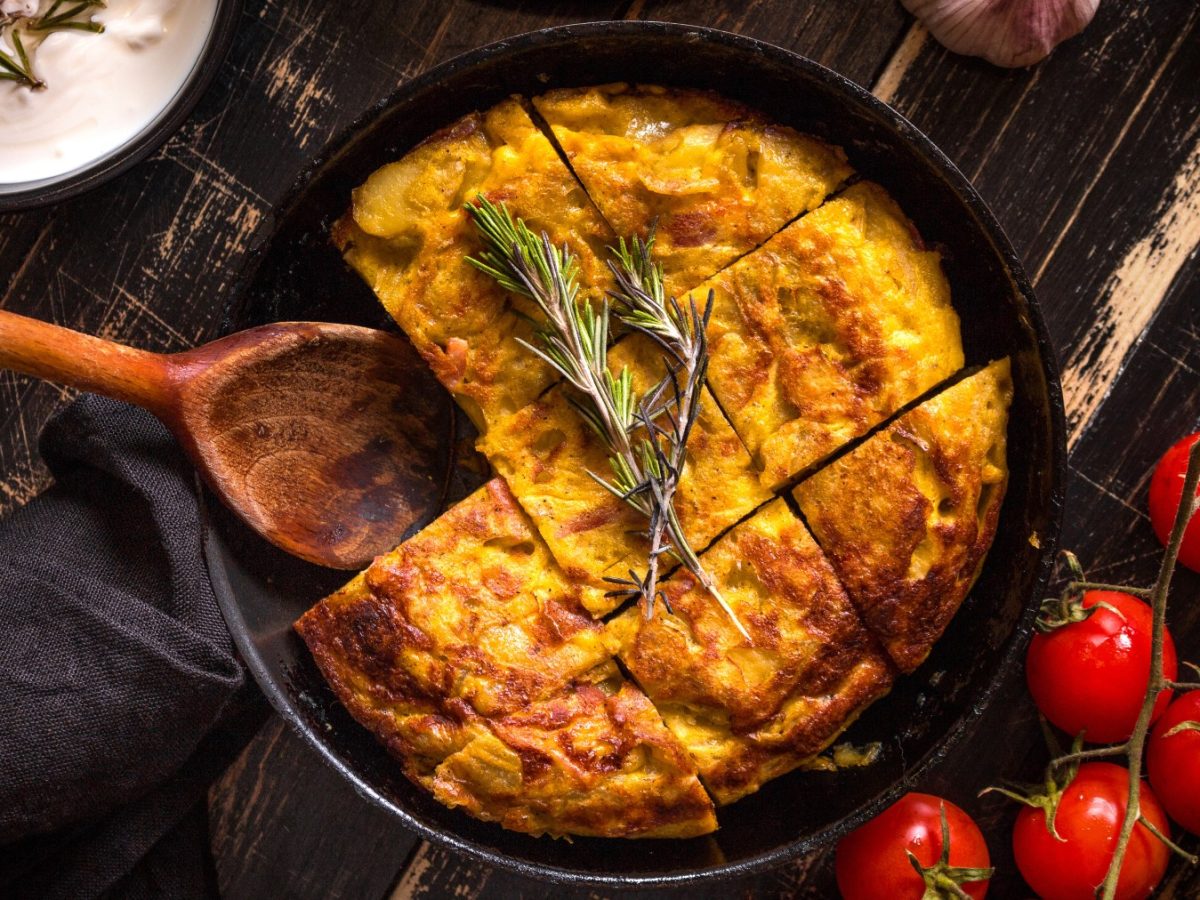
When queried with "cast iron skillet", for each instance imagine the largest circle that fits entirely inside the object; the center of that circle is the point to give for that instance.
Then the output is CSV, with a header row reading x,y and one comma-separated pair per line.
x,y
154,135
297,275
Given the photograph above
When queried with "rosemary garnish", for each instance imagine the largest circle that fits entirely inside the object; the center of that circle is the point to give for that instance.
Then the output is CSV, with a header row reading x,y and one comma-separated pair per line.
x,y
18,69
642,304
645,455
62,15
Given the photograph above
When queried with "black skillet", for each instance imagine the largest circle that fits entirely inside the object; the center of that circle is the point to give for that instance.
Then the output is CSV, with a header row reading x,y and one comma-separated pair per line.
x,y
296,274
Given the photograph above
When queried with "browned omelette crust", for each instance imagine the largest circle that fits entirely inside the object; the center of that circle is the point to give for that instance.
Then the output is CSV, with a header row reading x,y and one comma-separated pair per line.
x,y
716,176
469,618
447,646
749,712
595,761
546,451
908,517
409,237
827,329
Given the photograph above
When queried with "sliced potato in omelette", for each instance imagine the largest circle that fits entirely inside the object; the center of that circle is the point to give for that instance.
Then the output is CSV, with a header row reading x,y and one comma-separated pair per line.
x,y
716,177
595,760
466,654
749,712
546,450
409,237
907,517
827,329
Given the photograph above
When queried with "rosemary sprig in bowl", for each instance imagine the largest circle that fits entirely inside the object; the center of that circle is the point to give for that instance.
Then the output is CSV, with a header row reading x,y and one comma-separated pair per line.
x,y
62,15
646,439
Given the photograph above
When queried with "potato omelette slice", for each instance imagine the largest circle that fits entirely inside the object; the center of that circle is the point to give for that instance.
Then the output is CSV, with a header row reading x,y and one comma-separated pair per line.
x,y
907,517
827,329
465,652
593,760
716,177
546,450
409,237
748,713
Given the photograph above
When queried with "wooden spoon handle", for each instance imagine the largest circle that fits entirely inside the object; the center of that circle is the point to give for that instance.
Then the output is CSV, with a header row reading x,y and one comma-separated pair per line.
x,y
86,362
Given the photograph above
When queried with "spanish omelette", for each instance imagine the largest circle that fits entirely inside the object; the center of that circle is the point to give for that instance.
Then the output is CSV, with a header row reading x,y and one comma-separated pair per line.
x,y
907,517
473,651
714,178
466,653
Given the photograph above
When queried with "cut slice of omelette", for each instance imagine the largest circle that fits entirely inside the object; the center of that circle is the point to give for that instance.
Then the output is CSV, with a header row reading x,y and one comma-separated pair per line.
x,y
907,517
593,760
409,237
827,329
715,176
546,450
466,654
749,712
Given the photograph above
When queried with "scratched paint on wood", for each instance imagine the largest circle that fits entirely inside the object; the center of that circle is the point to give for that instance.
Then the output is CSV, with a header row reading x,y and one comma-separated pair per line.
x,y
1133,295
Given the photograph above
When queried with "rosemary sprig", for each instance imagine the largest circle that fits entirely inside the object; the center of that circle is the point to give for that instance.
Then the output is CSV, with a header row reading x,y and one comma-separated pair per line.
x,y
18,69
641,303
645,456
62,15
56,18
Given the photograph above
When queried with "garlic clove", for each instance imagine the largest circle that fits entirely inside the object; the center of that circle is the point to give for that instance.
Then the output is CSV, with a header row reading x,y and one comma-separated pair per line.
x,y
17,9
1009,33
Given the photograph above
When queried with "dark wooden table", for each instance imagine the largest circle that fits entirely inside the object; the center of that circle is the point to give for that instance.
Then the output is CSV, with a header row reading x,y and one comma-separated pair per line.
x,y
1091,161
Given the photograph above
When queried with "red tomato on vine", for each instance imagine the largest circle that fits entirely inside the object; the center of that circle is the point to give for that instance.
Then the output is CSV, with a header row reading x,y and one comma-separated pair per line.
x,y
1174,761
1088,821
882,857
1166,493
1091,676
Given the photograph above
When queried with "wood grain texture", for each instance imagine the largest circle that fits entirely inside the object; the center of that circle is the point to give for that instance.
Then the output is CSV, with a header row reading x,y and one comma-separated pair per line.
x,y
266,844
1091,162
854,39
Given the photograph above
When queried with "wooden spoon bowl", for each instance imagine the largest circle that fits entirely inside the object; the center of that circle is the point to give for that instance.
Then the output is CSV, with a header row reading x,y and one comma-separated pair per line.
x,y
328,440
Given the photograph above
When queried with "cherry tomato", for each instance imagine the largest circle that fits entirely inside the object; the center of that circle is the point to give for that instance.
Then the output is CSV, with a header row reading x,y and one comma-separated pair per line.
x,y
1089,821
1091,676
1174,762
1166,492
872,861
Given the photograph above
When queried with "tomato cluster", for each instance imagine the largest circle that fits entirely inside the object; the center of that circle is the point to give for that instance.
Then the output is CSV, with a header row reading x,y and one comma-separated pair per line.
x,y
1088,674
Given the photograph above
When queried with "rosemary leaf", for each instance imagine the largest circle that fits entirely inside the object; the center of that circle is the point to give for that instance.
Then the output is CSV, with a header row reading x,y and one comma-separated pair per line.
x,y
20,69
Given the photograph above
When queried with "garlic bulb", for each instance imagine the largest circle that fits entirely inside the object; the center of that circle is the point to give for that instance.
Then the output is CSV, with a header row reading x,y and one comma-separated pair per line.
x,y
18,8
1009,33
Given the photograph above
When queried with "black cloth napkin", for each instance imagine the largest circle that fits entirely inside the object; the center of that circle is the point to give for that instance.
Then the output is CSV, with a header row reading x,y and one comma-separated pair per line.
x,y
121,696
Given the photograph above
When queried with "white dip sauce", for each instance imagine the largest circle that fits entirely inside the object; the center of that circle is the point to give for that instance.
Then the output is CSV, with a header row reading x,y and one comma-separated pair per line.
x,y
101,89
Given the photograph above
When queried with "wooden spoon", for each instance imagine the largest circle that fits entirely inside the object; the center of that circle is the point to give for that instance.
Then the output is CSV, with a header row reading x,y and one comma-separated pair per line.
x,y
328,440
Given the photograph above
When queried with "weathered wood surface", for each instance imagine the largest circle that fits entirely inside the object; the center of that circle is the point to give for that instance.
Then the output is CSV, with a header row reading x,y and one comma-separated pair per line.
x,y
1091,161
